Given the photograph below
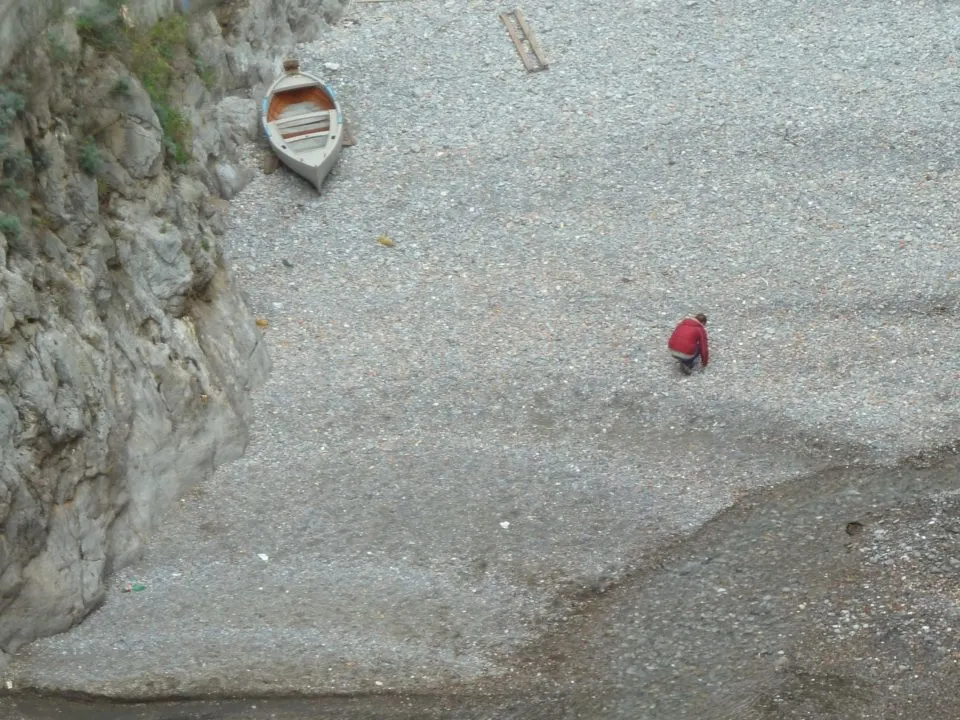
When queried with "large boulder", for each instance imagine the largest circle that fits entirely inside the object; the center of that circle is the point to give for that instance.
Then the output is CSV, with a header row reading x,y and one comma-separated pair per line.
x,y
127,353
125,122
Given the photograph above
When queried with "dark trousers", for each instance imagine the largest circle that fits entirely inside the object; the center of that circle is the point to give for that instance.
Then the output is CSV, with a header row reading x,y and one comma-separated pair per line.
x,y
689,363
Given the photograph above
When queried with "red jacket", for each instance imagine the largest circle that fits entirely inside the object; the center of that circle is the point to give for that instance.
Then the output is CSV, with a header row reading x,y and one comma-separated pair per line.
x,y
688,336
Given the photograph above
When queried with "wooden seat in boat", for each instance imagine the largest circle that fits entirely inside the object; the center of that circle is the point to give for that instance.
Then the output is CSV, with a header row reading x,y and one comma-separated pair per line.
x,y
310,123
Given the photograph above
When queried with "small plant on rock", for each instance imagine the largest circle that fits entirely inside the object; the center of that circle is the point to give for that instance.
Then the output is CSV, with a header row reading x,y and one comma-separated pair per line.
x,y
206,74
41,159
58,50
90,161
121,87
158,56
9,186
12,104
169,36
101,27
13,163
42,221
10,225
16,164
177,133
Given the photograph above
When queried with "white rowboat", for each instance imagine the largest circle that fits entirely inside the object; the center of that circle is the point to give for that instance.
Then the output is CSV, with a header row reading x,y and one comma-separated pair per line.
x,y
303,122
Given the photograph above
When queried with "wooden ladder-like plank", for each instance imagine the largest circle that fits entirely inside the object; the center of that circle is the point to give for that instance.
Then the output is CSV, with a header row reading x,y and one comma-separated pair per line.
x,y
523,40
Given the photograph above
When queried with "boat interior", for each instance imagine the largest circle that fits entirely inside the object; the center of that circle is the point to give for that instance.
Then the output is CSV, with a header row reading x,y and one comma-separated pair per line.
x,y
304,117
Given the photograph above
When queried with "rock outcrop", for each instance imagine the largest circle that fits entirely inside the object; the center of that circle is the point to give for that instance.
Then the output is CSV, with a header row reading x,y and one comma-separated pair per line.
x,y
127,353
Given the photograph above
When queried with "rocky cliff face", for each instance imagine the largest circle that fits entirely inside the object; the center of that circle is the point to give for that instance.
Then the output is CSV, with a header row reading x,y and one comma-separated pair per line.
x,y
127,353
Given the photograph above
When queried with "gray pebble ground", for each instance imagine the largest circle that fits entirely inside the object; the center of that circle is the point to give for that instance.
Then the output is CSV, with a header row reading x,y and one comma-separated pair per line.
x,y
463,426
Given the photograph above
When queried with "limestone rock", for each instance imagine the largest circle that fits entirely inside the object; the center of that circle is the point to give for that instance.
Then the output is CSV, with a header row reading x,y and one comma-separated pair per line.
x,y
128,124
7,320
68,196
232,179
195,95
154,254
141,154
238,118
220,131
333,10
128,353
21,300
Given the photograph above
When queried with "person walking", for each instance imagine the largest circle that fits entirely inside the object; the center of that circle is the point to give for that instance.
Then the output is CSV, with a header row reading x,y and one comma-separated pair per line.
x,y
689,342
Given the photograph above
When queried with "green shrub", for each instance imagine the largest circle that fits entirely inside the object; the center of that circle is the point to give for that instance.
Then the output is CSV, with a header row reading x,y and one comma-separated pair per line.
x,y
156,57
10,225
169,35
19,83
177,133
13,163
155,73
58,51
121,87
41,159
154,52
10,187
16,164
90,161
42,221
12,104
206,74
101,27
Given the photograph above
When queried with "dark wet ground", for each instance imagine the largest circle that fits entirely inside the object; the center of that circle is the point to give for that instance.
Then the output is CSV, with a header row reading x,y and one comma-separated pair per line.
x,y
833,597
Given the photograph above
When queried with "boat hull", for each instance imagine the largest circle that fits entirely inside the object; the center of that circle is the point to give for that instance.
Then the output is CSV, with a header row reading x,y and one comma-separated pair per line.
x,y
303,122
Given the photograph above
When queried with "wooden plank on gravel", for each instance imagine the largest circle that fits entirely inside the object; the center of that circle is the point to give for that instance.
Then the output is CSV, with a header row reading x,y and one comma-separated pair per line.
x,y
270,164
349,139
523,40
531,40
